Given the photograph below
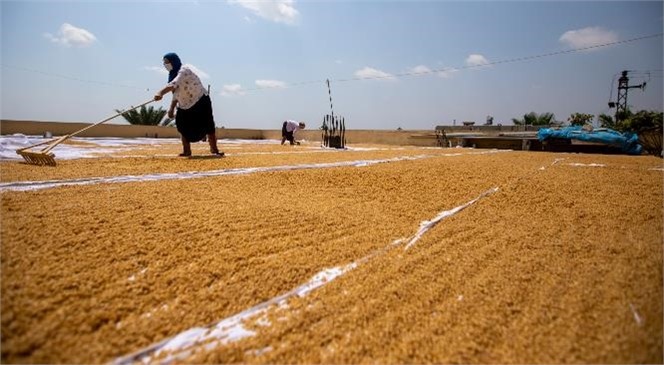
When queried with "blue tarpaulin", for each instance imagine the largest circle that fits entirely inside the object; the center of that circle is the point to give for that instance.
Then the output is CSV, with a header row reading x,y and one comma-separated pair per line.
x,y
627,142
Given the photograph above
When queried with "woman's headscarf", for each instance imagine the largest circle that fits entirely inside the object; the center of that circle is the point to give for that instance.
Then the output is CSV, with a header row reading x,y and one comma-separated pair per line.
x,y
175,61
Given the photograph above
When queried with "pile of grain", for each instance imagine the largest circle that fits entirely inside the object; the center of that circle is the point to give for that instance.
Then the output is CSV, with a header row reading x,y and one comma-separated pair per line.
x,y
562,264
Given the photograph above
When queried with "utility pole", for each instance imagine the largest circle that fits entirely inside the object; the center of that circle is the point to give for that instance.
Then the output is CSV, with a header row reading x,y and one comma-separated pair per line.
x,y
329,92
621,103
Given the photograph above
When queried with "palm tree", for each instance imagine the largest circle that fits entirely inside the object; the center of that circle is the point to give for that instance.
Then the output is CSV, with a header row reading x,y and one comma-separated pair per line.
x,y
644,121
648,125
620,123
533,118
146,115
607,121
581,119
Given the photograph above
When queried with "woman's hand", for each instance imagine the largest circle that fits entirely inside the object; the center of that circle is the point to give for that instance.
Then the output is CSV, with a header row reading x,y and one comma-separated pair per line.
x,y
171,113
160,94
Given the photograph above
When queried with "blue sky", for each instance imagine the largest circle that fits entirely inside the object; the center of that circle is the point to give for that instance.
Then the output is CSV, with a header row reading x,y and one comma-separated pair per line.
x,y
408,64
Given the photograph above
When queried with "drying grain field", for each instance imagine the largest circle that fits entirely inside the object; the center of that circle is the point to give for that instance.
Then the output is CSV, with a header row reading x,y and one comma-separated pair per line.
x,y
279,254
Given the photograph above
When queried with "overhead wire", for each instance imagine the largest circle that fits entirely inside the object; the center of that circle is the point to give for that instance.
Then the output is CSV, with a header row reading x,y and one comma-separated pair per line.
x,y
451,69
388,76
72,78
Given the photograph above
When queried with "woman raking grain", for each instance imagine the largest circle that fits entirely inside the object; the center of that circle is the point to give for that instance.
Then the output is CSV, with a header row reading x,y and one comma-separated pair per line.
x,y
194,119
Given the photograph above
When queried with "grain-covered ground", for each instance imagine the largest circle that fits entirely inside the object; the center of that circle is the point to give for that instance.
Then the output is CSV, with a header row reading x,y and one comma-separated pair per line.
x,y
555,258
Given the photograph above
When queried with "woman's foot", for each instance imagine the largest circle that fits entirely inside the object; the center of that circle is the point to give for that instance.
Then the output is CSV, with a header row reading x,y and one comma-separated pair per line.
x,y
217,153
186,148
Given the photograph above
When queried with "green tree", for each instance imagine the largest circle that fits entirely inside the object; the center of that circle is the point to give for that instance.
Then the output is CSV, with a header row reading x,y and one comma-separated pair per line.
x,y
580,118
533,118
623,115
644,121
145,116
648,126
607,121
632,122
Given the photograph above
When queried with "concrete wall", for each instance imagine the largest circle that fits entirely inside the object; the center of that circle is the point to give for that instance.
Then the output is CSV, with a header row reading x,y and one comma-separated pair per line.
x,y
489,129
103,130
413,138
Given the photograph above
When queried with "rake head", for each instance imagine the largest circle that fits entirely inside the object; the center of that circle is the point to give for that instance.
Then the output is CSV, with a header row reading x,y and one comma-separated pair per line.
x,y
38,158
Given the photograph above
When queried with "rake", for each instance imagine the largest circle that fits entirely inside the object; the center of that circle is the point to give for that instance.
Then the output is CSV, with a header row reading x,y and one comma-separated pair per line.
x,y
46,157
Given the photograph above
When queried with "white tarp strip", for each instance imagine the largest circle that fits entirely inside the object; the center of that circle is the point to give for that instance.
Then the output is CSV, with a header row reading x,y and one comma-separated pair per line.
x,y
587,164
427,225
230,329
37,185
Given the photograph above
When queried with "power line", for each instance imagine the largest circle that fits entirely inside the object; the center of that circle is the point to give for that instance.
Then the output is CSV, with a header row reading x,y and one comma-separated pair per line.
x,y
73,78
405,74
512,60
449,69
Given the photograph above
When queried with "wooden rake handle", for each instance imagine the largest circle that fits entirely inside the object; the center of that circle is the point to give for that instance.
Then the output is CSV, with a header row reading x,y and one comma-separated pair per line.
x,y
65,137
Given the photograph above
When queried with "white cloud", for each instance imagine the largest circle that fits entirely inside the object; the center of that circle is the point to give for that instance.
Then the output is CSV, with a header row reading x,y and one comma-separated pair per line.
x,y
446,72
279,11
476,60
420,69
588,37
271,84
372,73
232,89
69,35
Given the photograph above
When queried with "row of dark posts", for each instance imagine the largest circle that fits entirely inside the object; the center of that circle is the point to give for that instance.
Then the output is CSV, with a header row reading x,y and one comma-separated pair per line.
x,y
441,138
334,131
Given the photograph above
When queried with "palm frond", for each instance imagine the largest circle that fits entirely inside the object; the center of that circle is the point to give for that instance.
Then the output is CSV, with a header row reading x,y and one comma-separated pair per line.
x,y
146,115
